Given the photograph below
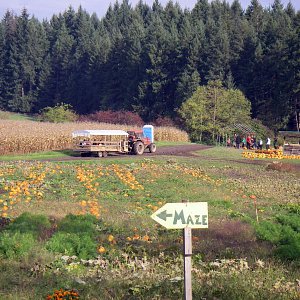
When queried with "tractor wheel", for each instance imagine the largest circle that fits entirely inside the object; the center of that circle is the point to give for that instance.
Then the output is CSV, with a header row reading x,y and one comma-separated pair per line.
x,y
138,148
100,154
152,148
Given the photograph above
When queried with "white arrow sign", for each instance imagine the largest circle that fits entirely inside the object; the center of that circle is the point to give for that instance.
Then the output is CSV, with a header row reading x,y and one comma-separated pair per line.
x,y
181,215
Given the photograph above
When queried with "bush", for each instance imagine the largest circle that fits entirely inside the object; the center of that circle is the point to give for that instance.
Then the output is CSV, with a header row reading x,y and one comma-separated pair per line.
x,y
285,235
269,231
58,114
81,244
78,224
290,248
114,117
291,220
75,236
29,223
164,121
15,245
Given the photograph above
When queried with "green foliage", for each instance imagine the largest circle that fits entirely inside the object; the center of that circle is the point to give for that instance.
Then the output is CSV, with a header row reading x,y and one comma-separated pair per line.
x,y
76,236
78,224
29,223
269,231
58,114
291,220
285,235
290,249
14,245
79,244
212,109
261,130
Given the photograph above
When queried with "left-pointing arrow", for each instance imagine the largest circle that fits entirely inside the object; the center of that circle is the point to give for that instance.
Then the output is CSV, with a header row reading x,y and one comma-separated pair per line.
x,y
163,215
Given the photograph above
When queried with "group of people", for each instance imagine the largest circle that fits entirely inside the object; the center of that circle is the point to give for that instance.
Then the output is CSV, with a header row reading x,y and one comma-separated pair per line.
x,y
251,142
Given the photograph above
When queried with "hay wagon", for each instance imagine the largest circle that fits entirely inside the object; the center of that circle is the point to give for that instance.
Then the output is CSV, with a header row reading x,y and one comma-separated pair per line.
x,y
100,142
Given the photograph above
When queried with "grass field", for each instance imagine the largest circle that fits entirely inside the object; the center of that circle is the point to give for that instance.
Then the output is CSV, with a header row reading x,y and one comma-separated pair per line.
x,y
85,227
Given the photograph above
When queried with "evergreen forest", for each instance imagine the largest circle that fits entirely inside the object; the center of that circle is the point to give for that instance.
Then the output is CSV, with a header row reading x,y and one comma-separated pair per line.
x,y
150,59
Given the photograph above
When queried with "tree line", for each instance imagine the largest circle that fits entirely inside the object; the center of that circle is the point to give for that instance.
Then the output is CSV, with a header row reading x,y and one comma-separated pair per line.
x,y
151,59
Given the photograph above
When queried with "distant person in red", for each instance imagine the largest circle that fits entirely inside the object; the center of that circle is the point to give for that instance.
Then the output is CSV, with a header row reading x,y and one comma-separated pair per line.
x,y
248,141
228,142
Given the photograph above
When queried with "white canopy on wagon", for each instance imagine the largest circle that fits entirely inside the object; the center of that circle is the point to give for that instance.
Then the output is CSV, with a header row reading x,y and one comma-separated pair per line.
x,y
89,133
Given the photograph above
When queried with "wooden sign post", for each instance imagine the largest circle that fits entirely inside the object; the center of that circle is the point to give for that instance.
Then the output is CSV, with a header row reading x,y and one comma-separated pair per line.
x,y
187,238
185,215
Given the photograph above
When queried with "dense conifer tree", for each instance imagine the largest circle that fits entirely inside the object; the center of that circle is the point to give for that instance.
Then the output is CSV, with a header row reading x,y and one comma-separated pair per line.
x,y
11,89
2,106
150,59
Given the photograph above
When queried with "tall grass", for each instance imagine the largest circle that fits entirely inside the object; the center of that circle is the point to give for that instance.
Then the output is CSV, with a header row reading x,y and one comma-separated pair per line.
x,y
20,137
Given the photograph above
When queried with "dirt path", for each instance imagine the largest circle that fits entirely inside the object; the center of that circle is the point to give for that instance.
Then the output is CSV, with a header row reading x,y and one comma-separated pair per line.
x,y
185,151
179,150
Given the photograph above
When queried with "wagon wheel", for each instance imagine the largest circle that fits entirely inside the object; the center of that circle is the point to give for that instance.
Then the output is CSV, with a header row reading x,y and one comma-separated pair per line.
x,y
104,153
100,154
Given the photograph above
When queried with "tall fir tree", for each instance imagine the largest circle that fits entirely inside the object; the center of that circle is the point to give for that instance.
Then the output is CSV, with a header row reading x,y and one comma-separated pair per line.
x,y
1,65
151,98
11,89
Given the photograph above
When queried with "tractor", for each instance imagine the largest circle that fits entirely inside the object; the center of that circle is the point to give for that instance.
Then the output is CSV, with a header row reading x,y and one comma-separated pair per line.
x,y
138,142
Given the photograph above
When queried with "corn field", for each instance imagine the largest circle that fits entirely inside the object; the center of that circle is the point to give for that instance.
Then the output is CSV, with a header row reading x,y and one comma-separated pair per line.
x,y
20,137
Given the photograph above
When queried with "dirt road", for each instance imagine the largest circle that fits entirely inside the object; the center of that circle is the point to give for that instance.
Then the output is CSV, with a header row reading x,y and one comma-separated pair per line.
x,y
179,150
189,151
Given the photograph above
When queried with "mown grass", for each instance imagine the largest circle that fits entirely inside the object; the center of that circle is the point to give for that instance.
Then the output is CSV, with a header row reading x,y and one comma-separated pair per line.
x,y
100,212
222,153
5,115
39,155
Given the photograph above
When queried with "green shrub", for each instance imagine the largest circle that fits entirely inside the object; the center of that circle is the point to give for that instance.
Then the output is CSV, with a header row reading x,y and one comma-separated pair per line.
x,y
58,114
81,244
15,244
29,223
269,231
75,236
290,248
291,220
285,235
78,224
